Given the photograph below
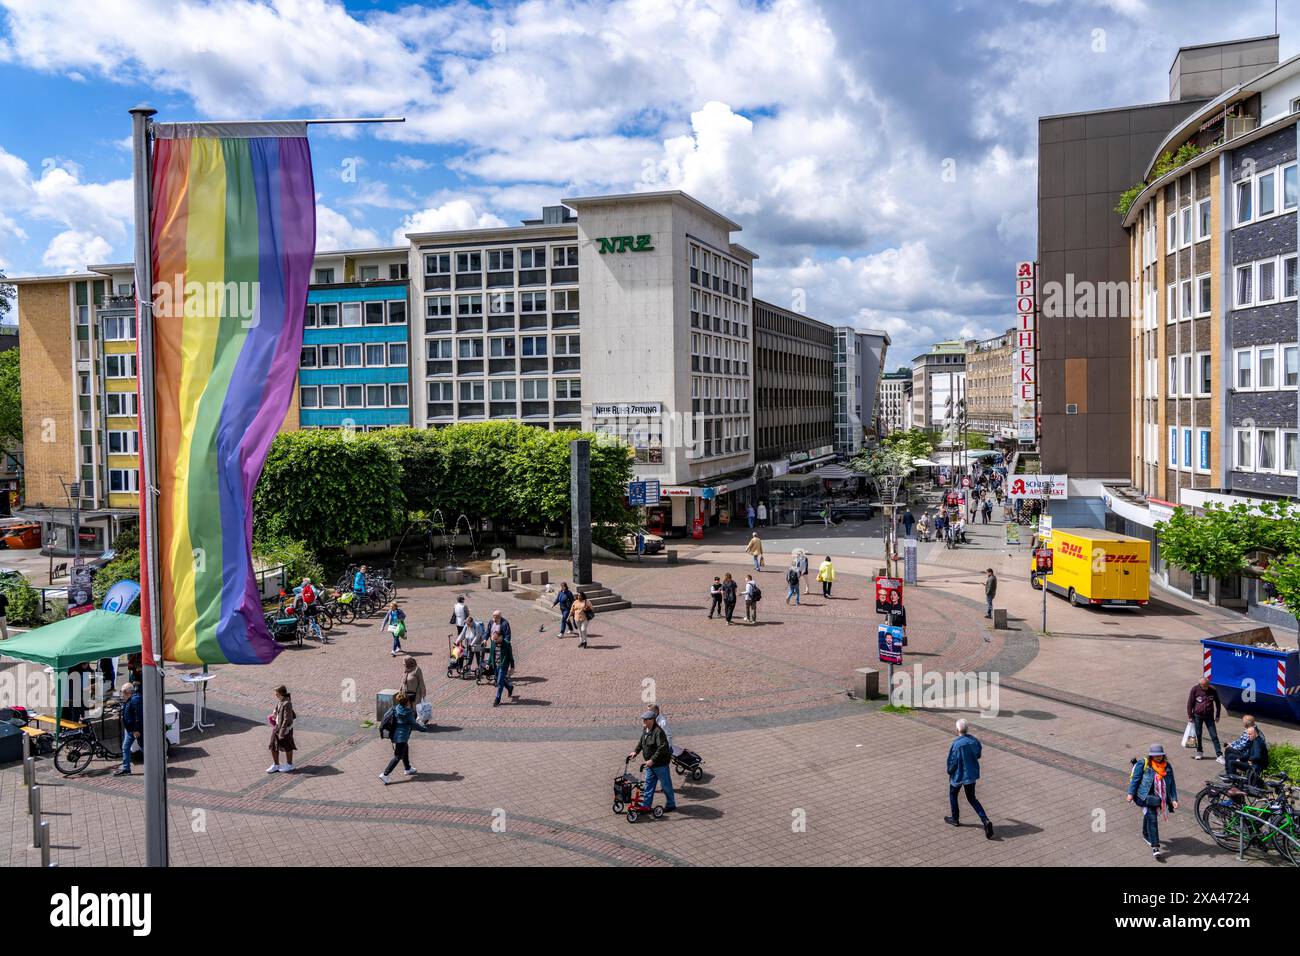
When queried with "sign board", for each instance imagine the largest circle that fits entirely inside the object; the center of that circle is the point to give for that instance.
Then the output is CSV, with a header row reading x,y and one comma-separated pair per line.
x,y
624,244
1024,354
636,494
965,481
909,560
1038,486
1012,533
121,596
1025,431
890,641
81,597
626,409
889,591
1043,560
1045,528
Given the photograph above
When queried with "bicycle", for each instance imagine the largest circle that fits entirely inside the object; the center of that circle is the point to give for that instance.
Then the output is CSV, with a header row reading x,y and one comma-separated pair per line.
x,y
76,748
1238,818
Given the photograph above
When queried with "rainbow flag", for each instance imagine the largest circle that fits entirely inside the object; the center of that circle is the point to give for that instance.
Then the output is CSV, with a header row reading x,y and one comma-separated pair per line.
x,y
233,233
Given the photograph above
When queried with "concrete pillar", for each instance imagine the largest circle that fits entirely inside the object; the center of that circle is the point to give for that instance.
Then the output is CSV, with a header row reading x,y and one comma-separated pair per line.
x,y
580,500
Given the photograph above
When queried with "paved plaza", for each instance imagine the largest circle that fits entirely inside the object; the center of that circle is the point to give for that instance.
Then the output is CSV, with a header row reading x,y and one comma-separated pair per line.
x,y
796,770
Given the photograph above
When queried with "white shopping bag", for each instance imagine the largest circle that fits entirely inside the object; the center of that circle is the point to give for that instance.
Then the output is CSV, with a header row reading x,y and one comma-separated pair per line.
x,y
424,711
1189,735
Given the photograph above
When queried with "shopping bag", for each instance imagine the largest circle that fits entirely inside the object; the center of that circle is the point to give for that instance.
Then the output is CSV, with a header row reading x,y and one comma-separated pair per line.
x,y
1189,735
424,711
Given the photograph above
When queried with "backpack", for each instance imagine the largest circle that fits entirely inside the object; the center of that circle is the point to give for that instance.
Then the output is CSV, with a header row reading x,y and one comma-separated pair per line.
x,y
308,594
792,577
757,594
389,723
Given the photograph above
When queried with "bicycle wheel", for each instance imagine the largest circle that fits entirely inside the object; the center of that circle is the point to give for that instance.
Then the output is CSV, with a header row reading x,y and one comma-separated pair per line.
x,y
73,755
1222,824
344,614
1207,797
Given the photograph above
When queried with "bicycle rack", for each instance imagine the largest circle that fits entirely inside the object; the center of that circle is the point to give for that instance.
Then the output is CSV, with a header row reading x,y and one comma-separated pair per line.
x,y
1242,842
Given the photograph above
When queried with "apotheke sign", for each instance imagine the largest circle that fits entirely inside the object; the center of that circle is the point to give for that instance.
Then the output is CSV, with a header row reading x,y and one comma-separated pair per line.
x,y
624,244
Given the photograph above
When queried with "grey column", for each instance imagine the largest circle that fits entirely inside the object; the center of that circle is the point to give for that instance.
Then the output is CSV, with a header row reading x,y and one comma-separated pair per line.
x,y
580,502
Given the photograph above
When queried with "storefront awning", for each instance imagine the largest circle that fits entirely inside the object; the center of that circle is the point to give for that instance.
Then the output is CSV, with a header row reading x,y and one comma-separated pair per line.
x,y
836,473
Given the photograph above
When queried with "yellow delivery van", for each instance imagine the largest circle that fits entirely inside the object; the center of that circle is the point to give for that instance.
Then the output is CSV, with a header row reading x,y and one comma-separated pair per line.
x,y
1090,566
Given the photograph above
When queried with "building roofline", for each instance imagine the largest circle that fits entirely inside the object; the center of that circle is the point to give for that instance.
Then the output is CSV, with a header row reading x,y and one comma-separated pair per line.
x,y
37,280
492,232
1120,109
1206,46
577,202
756,302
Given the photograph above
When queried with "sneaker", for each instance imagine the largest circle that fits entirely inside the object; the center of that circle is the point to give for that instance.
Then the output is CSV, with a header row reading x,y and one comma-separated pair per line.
x,y
1156,851
1198,756
1219,759
121,772
496,703
273,768
411,773
384,778
988,830
952,820
672,809
286,767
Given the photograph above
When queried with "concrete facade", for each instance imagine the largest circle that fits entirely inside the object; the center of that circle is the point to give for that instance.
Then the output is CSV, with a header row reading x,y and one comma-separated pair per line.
x,y
938,383
795,382
895,400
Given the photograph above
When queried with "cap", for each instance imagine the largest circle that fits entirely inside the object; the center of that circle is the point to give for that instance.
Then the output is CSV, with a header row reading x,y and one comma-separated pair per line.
x,y
1156,751
648,715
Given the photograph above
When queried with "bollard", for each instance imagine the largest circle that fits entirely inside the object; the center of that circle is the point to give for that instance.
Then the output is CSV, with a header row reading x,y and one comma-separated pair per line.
x,y
29,772
36,817
45,845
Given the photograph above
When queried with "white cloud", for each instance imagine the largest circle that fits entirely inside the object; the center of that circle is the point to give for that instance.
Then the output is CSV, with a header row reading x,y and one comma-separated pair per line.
x,y
453,214
73,249
335,231
410,164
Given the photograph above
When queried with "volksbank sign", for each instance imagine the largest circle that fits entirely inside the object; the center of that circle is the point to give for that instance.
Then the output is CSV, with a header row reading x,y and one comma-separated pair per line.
x,y
624,244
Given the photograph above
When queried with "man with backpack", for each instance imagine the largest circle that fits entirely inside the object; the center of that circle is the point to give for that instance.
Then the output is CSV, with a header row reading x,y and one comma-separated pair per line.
x,y
792,582
1151,786
753,594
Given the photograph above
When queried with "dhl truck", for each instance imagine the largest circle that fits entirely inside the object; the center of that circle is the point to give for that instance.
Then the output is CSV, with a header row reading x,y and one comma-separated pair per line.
x,y
1090,566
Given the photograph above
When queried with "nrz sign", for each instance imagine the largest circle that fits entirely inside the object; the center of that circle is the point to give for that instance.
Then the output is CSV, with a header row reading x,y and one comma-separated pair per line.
x,y
624,244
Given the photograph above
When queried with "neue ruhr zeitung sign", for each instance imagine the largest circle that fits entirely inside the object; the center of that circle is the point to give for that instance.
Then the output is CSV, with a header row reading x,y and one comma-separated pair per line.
x,y
625,409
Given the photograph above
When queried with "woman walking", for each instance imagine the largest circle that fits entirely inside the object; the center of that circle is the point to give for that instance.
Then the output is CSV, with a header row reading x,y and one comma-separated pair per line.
x,y
580,617
281,721
728,596
413,686
403,722
826,575
395,623
1151,786
801,562
474,637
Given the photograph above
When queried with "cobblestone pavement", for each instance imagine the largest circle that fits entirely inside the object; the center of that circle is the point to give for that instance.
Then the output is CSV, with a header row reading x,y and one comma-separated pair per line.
x,y
797,772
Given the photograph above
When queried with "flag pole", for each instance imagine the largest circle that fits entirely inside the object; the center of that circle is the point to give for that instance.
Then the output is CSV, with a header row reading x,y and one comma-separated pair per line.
x,y
151,691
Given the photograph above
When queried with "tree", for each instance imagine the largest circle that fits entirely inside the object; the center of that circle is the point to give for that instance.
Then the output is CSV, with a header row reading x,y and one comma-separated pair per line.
x,y
11,399
1284,574
6,295
1213,544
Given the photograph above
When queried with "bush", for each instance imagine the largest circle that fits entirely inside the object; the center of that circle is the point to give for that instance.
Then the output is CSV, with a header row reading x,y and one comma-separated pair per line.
x,y
299,560
24,603
124,567
1284,757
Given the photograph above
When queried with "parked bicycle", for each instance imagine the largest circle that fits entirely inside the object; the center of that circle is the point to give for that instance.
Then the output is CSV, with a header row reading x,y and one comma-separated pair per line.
x,y
77,748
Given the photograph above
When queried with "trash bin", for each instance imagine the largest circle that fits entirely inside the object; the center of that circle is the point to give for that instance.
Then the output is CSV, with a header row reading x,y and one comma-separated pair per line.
x,y
172,723
384,703
1253,679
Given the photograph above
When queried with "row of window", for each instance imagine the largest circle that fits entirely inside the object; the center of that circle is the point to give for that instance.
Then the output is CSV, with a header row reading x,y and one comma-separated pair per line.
x,y
396,270
333,315
355,355
1258,450
718,273
124,479
1256,283
1178,227
119,328
124,442
503,346
1257,368
392,395
500,303
1187,299
1181,457
531,389
1265,194
500,260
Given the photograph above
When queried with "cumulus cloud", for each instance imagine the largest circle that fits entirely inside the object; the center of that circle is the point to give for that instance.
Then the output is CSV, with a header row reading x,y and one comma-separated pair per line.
x,y
335,231
453,214
73,249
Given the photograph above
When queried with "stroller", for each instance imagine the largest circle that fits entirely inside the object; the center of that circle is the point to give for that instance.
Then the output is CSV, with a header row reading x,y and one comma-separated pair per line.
x,y
627,796
687,764
284,629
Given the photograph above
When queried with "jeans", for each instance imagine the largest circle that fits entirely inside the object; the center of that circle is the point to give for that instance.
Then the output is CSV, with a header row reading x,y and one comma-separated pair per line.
x,y
128,739
907,529
750,519
1151,825
504,682
826,589
658,776
1208,724
970,798
565,624
731,609
401,752
397,643
792,591
989,598
751,611
756,561
716,606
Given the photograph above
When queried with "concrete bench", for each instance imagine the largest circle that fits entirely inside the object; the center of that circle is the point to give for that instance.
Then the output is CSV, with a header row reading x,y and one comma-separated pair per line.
x,y
497,582
1000,618
542,577
453,576
512,571
525,576
867,685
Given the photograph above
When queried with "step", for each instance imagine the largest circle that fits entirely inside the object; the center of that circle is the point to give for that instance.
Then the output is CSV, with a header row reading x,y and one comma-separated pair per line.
x,y
605,600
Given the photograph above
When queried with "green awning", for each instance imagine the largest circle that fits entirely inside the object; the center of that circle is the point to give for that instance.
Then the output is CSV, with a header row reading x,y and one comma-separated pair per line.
x,y
86,637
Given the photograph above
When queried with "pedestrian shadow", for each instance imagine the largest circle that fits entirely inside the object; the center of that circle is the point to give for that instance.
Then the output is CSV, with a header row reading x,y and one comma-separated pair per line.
x,y
532,703
602,647
422,777
315,770
1190,846
695,812
441,729
530,679
696,792
670,607
1013,830
180,773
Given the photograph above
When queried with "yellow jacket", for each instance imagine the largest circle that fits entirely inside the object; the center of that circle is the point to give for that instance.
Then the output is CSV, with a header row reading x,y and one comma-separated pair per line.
x,y
755,546
826,571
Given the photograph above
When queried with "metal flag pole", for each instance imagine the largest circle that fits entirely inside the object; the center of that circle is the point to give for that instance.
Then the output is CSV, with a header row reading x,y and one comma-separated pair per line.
x,y
151,691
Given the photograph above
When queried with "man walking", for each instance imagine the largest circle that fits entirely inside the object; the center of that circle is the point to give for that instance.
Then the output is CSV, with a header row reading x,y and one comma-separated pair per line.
x,y
1204,708
963,772
503,656
751,600
749,515
657,753
715,597
792,582
755,550
990,590
909,520
563,600
132,727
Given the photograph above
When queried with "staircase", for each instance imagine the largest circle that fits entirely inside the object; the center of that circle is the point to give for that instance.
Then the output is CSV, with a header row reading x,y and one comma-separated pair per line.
x,y
601,598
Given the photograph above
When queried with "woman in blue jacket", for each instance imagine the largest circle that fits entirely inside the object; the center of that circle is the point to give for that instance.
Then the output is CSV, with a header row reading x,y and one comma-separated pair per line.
x,y
1151,787
404,722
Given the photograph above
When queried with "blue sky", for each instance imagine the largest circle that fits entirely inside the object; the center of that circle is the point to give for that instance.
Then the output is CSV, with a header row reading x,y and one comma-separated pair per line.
x,y
823,127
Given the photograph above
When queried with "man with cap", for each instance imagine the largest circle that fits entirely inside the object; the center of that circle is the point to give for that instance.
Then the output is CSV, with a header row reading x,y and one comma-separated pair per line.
x,y
1151,787
657,752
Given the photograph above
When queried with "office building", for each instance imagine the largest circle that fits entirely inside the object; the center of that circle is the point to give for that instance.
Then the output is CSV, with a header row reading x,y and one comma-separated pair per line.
x,y
895,400
794,374
989,385
938,384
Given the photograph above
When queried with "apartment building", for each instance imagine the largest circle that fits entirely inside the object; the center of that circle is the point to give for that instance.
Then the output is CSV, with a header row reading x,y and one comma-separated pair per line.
x,y
859,364
895,400
989,384
938,383
796,380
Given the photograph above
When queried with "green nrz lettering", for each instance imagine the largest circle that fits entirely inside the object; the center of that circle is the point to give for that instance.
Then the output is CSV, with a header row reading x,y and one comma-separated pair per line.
x,y
625,244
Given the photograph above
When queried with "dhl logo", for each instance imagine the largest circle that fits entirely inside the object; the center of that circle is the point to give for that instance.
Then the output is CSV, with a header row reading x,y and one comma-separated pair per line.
x,y
1121,559
1070,549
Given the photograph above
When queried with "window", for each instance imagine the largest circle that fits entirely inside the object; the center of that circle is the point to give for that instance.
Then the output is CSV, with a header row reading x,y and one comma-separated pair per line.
x,y
437,306
566,344
568,388
351,314
353,396
1266,281
437,264
352,356
369,273
469,305
1267,460
397,312
398,270
1242,447
1171,232
1185,384
534,389
1202,449
396,353
565,301
329,396
1244,286
1289,277
1290,446
469,262
1245,366
1267,193
329,356
1171,303
1203,295
471,391
376,396
124,443
375,313
119,328
308,359
124,479
1266,368
1173,446
437,349
121,404
564,256
1185,309
324,276
309,396
1204,378
1186,225
532,301
470,348
1203,220
532,258
1245,209
309,317
502,260
533,344
1290,366
501,348
119,366
376,354
501,303
329,315
1171,381
503,391
1187,448
397,395
1289,193
439,391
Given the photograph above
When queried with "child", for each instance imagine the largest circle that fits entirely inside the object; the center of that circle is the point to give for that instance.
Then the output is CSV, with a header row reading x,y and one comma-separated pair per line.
x,y
395,622
715,592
